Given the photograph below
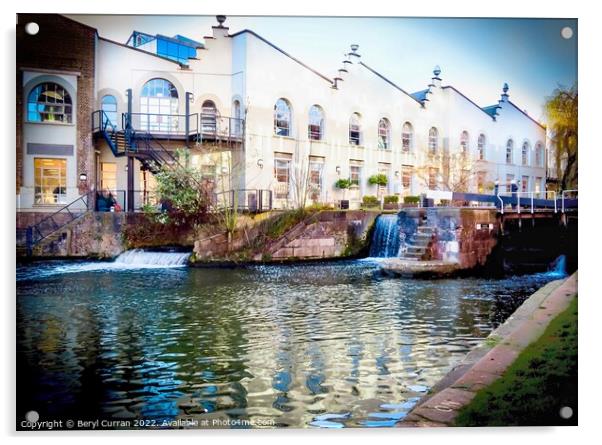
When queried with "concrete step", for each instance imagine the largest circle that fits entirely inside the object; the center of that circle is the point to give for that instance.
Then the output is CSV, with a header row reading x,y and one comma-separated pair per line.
x,y
415,248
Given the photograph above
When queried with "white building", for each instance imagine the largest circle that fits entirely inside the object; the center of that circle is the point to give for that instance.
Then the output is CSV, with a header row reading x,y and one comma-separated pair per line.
x,y
244,106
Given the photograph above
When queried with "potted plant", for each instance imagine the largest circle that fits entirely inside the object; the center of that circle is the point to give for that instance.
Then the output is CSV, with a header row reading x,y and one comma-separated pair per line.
x,y
370,201
391,202
411,201
343,184
380,180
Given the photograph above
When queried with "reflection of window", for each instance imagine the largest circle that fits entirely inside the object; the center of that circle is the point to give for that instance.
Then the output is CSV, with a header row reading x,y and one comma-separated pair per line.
x,y
282,169
50,181
315,128
433,172
355,130
509,179
282,118
406,176
108,175
159,105
175,51
481,147
109,106
433,140
525,154
407,133
49,102
384,134
509,151
355,173
538,182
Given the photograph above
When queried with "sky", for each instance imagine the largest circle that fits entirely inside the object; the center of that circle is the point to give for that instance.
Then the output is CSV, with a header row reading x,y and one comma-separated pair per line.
x,y
475,55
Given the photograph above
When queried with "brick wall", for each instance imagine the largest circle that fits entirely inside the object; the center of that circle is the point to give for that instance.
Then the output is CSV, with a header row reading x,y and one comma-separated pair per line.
x,y
61,45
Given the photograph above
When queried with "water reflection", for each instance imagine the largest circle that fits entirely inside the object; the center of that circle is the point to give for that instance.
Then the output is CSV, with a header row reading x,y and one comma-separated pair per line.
x,y
326,345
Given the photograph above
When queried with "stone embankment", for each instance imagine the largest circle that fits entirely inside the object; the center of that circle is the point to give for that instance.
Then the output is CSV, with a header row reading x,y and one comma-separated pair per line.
x,y
486,363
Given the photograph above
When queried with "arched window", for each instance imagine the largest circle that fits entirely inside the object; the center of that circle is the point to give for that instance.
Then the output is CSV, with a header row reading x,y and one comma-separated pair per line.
x,y
209,117
433,140
481,146
525,153
158,106
49,102
407,136
384,134
355,129
464,143
282,118
539,154
509,151
109,106
315,128
236,114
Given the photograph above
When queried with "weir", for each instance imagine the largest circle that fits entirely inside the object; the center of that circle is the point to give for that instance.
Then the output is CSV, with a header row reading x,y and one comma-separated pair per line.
x,y
385,239
143,258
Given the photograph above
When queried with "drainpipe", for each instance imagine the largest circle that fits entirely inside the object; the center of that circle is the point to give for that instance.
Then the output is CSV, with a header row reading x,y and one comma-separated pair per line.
x,y
130,159
186,119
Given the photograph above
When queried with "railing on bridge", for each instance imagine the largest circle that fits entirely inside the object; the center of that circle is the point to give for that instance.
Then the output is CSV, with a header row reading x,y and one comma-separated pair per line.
x,y
532,201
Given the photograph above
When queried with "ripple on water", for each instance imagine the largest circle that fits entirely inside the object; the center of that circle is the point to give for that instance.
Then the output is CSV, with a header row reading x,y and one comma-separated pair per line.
x,y
326,345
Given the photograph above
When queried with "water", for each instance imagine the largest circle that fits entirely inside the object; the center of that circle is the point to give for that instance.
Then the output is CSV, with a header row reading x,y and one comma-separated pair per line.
x,y
325,345
140,258
385,239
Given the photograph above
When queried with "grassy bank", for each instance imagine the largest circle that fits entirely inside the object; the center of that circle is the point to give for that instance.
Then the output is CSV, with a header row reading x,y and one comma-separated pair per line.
x,y
537,385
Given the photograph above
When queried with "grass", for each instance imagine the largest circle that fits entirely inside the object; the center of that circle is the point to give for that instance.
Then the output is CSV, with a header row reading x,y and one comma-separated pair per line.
x,y
541,381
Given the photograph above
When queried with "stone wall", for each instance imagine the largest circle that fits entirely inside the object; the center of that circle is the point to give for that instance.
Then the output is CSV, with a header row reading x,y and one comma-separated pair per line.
x,y
96,234
465,236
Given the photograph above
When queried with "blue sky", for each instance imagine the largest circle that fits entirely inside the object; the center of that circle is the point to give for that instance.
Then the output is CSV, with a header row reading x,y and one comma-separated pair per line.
x,y
476,55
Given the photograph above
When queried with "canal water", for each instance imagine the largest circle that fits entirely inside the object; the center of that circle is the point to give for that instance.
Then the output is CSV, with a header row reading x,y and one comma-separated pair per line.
x,y
331,345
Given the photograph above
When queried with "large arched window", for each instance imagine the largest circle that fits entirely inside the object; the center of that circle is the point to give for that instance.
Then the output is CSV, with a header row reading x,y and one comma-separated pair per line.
x,y
464,143
433,140
525,153
49,102
539,154
355,129
282,118
384,133
481,146
407,137
158,106
109,106
209,117
509,151
315,128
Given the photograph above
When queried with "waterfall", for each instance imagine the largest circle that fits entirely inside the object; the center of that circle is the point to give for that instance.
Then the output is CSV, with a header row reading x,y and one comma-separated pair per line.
x,y
385,240
558,267
143,258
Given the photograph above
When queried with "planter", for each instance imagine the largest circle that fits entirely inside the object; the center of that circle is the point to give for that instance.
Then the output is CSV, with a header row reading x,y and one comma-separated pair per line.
x,y
344,204
391,206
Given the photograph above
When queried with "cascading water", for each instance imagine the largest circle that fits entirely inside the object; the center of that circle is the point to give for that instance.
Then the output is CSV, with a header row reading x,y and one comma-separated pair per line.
x,y
143,258
558,267
385,240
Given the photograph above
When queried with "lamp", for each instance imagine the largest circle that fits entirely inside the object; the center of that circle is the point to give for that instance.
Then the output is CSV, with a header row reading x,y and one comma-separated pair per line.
x,y
338,169
224,170
83,177
397,173
260,163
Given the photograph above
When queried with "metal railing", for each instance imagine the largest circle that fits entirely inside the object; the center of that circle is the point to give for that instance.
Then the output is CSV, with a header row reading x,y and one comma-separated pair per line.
x,y
220,128
531,200
563,195
250,200
168,126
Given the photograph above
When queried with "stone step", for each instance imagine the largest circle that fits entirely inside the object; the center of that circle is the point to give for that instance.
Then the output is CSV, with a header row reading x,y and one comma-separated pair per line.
x,y
415,248
428,229
416,255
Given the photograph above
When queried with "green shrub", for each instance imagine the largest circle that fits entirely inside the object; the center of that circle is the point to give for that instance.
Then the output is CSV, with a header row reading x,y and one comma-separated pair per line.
x,y
370,201
411,199
378,179
391,199
343,183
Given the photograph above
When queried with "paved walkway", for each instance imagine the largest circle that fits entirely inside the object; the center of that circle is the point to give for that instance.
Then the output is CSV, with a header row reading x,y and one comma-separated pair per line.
x,y
486,363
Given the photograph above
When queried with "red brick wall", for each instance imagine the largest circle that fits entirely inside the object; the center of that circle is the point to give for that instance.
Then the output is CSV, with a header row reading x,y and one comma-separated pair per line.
x,y
61,44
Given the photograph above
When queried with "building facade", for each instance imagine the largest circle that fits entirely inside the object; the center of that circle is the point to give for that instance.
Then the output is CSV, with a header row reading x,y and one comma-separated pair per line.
x,y
252,117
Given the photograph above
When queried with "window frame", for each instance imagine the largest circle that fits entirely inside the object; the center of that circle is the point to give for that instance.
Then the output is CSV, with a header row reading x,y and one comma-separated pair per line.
x,y
510,151
355,120
312,134
524,154
407,137
384,134
33,106
433,141
464,143
481,144
287,117
59,198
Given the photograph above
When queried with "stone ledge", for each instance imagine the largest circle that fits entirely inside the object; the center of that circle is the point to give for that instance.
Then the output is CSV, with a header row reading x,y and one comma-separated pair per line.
x,y
485,364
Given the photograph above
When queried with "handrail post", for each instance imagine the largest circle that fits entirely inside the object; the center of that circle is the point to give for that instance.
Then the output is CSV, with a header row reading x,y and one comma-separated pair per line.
x,y
532,202
501,203
555,202
518,202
